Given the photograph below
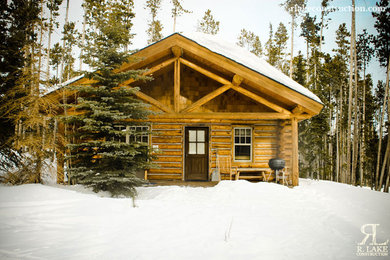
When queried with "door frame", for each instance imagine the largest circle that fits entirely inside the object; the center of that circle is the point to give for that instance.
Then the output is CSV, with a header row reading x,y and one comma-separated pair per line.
x,y
207,149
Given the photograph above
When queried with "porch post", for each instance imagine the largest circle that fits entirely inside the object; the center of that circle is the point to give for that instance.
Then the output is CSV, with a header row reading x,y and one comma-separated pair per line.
x,y
294,156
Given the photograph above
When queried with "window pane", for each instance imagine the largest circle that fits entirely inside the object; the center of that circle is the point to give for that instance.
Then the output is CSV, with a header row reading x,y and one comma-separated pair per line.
x,y
242,140
248,140
145,139
192,148
248,132
242,132
201,149
192,135
242,152
236,131
200,135
236,140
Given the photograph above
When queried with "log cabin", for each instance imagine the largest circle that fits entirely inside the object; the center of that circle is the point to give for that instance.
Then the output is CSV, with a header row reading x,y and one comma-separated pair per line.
x,y
215,99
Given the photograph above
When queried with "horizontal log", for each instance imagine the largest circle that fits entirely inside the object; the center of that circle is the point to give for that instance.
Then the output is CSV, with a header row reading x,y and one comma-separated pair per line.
x,y
227,139
221,133
166,139
266,128
221,127
165,170
167,126
220,145
169,165
165,152
164,176
168,146
221,115
178,159
265,152
266,134
159,133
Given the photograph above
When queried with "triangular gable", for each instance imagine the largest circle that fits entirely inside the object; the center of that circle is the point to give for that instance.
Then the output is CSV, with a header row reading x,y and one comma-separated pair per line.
x,y
225,63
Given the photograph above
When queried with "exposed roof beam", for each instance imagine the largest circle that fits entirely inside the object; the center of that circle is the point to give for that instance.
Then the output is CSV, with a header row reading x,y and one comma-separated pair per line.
x,y
226,115
206,98
151,70
205,72
261,100
153,101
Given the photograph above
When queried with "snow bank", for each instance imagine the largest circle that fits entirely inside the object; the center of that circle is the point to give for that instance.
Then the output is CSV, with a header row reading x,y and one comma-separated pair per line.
x,y
233,220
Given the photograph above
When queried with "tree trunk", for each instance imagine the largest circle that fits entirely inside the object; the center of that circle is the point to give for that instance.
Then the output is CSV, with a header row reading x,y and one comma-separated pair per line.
x,y
356,121
350,99
362,154
378,161
48,47
82,42
63,43
388,136
292,45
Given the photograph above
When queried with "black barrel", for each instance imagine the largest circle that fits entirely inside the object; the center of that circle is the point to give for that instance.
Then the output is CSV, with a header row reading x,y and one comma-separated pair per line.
x,y
276,164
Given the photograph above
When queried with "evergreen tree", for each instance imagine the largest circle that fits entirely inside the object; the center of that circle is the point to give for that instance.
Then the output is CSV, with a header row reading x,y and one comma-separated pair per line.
x,y
250,41
270,48
100,156
177,11
69,39
280,40
208,24
310,31
155,26
294,8
55,61
16,33
299,69
23,106
54,7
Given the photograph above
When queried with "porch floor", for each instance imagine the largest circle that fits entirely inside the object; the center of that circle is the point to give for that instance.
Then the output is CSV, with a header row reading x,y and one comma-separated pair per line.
x,y
183,183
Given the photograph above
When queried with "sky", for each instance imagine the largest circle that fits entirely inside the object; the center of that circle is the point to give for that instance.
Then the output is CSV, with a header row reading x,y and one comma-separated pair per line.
x,y
253,15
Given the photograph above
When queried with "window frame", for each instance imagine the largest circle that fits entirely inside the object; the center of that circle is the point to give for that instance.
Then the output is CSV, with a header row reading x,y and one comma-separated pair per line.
x,y
238,144
128,136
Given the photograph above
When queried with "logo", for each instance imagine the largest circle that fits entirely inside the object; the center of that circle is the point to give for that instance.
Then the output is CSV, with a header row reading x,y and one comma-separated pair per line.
x,y
371,247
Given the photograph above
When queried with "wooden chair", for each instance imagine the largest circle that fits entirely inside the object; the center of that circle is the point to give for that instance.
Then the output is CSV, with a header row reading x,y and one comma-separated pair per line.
x,y
224,166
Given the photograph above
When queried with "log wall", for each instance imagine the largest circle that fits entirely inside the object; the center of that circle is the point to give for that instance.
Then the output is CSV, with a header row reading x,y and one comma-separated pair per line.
x,y
169,137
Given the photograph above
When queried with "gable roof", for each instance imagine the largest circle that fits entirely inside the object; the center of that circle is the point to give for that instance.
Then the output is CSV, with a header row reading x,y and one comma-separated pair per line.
x,y
249,60
226,60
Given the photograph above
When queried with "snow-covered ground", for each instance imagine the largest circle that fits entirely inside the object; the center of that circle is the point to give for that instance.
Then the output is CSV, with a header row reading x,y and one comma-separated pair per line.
x,y
233,220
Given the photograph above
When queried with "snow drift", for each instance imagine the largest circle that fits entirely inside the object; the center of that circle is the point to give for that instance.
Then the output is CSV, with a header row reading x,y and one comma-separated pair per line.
x,y
233,220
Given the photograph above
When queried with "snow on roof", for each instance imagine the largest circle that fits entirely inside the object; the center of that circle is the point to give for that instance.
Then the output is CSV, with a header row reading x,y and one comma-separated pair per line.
x,y
249,60
58,86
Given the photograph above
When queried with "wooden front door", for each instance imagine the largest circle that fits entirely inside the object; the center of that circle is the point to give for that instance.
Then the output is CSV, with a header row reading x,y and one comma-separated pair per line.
x,y
196,153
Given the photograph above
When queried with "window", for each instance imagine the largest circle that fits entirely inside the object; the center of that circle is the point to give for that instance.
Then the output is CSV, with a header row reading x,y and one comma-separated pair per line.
x,y
121,136
196,142
243,144
140,134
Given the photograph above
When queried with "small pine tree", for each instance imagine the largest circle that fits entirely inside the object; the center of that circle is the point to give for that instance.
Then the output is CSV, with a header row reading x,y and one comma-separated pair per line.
x,y
208,24
280,40
155,26
101,157
270,49
251,41
177,11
